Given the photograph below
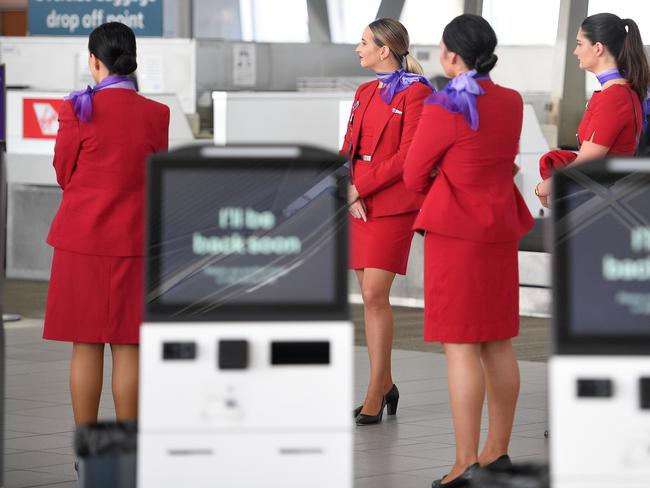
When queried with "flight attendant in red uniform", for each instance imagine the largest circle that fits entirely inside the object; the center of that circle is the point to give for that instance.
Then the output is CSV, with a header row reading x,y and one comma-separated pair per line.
x,y
96,286
615,119
384,116
462,157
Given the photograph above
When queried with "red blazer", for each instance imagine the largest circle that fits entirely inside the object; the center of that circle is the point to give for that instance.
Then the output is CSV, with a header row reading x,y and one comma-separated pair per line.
x,y
474,196
384,183
610,120
101,167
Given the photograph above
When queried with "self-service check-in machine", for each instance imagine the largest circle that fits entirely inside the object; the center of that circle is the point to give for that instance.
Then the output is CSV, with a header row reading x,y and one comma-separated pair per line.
x,y
600,371
246,350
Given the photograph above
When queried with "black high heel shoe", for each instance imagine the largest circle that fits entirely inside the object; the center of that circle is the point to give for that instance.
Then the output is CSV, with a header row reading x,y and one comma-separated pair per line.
x,y
499,464
392,398
460,482
364,419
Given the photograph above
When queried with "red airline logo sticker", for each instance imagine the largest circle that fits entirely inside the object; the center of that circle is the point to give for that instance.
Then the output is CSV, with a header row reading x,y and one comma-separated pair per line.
x,y
41,117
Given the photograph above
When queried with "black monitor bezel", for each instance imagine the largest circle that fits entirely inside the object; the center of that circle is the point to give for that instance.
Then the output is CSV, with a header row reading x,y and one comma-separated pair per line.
x,y
564,342
192,159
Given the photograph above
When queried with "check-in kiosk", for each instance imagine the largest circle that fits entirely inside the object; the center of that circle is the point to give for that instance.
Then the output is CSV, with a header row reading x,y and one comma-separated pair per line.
x,y
246,349
600,370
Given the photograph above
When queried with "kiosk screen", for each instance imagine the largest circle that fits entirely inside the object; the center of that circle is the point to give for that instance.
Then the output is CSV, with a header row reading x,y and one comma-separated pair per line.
x,y
602,247
246,237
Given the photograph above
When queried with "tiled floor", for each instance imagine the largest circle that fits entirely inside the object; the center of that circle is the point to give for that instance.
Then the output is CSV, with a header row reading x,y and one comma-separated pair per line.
x,y
417,445
406,451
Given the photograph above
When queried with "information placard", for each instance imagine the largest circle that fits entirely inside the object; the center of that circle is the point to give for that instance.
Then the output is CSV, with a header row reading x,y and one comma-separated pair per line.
x,y
41,117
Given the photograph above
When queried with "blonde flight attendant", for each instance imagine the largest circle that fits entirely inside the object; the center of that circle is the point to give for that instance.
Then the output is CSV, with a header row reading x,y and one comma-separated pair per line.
x,y
384,116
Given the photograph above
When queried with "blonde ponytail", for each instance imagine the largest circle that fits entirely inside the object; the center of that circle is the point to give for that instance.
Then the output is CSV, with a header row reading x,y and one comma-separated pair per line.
x,y
411,65
392,33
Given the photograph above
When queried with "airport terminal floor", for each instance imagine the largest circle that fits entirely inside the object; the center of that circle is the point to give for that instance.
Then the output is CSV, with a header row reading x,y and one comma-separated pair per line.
x,y
405,451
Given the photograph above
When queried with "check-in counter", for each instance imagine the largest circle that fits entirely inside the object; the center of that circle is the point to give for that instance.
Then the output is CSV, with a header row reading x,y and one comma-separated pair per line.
x,y
33,194
321,119
317,119
534,267
532,145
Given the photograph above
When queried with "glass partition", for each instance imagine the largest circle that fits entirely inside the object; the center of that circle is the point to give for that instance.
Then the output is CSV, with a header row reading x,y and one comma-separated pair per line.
x,y
348,18
217,19
275,21
637,10
519,23
251,20
425,20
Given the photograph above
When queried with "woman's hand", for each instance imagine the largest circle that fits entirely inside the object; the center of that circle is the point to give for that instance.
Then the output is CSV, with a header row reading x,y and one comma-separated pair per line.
x,y
356,206
353,194
543,192
358,210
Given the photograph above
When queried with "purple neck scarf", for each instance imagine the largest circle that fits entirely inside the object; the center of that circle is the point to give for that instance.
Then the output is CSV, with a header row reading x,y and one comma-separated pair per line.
x,y
397,81
614,74
459,96
82,100
608,75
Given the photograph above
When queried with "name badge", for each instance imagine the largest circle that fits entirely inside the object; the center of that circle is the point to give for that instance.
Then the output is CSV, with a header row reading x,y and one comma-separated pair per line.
x,y
354,107
397,111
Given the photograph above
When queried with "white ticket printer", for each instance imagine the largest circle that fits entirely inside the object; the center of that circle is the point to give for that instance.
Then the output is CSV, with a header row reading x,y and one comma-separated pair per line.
x,y
246,349
600,369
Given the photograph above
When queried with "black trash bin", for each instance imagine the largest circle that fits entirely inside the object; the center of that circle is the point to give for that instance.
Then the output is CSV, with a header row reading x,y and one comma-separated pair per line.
x,y
107,454
517,476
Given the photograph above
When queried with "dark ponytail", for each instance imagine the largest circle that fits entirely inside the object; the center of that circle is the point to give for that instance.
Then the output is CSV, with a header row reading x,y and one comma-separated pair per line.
x,y
474,40
633,61
623,40
114,45
125,64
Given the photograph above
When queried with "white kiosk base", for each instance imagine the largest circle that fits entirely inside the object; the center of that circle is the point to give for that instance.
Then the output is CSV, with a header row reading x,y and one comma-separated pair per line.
x,y
269,419
600,434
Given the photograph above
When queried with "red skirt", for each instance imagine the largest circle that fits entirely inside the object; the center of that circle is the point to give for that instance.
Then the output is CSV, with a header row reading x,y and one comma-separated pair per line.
x,y
471,290
97,299
381,242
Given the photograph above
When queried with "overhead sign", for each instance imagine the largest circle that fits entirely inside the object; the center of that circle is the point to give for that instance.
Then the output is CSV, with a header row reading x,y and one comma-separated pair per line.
x,y
41,117
80,17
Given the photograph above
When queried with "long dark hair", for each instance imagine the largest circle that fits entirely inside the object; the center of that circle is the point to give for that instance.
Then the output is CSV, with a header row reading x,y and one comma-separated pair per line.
x,y
113,44
623,39
474,40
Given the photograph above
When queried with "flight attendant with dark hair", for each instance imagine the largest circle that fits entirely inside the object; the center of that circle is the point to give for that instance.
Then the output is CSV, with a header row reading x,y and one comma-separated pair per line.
x,y
384,116
96,291
462,157
615,119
